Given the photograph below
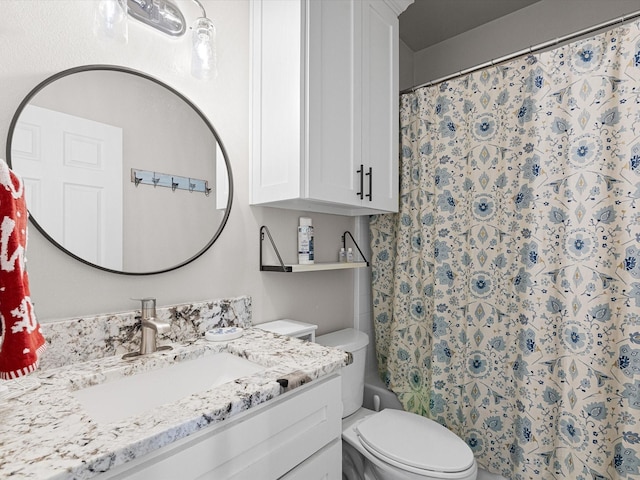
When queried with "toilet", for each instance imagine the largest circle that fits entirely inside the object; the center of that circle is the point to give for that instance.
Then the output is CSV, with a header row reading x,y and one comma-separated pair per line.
x,y
391,444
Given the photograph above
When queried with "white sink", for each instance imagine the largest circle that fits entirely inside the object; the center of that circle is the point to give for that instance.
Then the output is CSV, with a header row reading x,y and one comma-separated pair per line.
x,y
118,399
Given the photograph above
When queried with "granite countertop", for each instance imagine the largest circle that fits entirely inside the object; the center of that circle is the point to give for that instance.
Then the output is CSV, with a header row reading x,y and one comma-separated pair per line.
x,y
46,434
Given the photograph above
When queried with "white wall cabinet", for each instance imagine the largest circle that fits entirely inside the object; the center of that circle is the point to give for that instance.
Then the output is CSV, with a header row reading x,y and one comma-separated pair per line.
x,y
294,436
324,105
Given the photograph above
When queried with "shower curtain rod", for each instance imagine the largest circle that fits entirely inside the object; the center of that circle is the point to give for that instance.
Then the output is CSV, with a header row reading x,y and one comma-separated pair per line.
x,y
526,51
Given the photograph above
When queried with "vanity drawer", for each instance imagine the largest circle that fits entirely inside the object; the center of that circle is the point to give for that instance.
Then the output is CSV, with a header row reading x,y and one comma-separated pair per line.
x,y
264,442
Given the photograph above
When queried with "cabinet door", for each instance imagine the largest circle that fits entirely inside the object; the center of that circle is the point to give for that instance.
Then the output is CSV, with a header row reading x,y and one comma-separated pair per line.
x,y
380,105
325,464
333,69
277,94
325,105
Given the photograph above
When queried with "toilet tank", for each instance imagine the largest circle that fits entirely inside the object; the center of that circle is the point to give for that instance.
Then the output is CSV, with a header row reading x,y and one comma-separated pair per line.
x,y
355,342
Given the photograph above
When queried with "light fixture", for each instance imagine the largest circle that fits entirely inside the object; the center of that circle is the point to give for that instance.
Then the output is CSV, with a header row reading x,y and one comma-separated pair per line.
x,y
110,20
203,50
165,16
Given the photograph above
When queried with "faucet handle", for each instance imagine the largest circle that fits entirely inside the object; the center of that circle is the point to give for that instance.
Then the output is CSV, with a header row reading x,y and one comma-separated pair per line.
x,y
162,328
148,307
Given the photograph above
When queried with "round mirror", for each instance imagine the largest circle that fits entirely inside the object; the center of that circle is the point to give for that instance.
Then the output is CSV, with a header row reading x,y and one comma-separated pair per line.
x,y
121,171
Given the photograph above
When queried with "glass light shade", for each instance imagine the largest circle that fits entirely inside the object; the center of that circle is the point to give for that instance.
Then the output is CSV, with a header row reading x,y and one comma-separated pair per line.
x,y
110,22
203,53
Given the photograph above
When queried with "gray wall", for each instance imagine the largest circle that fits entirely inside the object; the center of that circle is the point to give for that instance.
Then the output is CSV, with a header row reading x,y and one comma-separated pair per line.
x,y
41,37
543,21
406,66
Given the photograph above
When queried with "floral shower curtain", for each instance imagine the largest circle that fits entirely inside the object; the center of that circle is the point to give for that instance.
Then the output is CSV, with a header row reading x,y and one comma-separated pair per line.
x,y
507,288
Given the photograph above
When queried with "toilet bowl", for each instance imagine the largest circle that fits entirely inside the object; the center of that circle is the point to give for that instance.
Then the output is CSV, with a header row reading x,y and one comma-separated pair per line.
x,y
392,444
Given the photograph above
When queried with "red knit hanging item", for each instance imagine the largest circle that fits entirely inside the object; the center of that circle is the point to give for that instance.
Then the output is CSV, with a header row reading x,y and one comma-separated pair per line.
x,y
22,340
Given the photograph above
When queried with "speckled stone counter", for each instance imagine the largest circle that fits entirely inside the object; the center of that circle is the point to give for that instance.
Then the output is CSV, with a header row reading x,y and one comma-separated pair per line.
x,y
46,434
88,338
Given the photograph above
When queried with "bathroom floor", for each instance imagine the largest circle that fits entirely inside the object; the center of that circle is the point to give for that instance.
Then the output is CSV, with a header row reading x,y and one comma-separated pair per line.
x,y
484,475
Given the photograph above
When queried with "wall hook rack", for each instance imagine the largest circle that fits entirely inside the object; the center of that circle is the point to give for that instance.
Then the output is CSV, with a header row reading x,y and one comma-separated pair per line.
x,y
174,182
295,268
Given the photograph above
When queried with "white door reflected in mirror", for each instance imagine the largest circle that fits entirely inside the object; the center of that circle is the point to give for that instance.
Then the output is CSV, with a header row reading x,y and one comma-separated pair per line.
x,y
72,172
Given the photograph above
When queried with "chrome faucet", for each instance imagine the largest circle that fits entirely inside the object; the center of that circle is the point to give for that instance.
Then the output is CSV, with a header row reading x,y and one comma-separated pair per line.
x,y
151,328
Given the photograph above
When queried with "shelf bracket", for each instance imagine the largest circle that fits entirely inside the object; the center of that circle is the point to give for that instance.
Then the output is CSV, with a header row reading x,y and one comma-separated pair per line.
x,y
263,230
344,244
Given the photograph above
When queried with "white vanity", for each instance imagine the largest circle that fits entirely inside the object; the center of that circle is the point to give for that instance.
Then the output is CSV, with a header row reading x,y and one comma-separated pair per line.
x,y
283,421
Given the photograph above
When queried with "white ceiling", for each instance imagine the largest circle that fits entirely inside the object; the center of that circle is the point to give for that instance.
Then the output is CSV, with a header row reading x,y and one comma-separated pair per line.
x,y
427,22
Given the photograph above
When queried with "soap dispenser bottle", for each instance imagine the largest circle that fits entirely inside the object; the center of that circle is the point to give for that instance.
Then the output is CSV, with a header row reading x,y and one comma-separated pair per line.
x,y
342,256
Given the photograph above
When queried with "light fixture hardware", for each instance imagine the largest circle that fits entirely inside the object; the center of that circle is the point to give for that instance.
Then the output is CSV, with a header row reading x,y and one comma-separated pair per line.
x,y
162,15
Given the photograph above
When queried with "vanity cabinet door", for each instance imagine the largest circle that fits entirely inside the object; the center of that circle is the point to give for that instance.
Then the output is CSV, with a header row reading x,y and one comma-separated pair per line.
x,y
323,465
325,106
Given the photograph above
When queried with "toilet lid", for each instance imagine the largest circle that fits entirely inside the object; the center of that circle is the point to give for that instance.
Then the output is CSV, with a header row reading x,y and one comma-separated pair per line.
x,y
415,441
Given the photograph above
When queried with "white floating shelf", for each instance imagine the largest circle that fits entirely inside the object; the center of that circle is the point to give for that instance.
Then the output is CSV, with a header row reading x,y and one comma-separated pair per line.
x,y
315,267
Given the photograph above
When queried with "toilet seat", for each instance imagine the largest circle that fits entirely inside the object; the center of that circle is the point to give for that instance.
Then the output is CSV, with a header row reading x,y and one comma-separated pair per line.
x,y
414,443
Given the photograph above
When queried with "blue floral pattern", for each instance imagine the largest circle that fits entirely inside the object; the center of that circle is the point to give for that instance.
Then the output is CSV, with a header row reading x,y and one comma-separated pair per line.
x,y
507,289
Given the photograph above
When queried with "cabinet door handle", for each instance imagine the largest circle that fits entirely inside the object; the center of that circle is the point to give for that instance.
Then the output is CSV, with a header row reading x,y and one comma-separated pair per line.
x,y
370,175
361,172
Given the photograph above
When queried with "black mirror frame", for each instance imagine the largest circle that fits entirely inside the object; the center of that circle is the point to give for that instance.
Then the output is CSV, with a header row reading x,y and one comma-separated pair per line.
x,y
116,68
